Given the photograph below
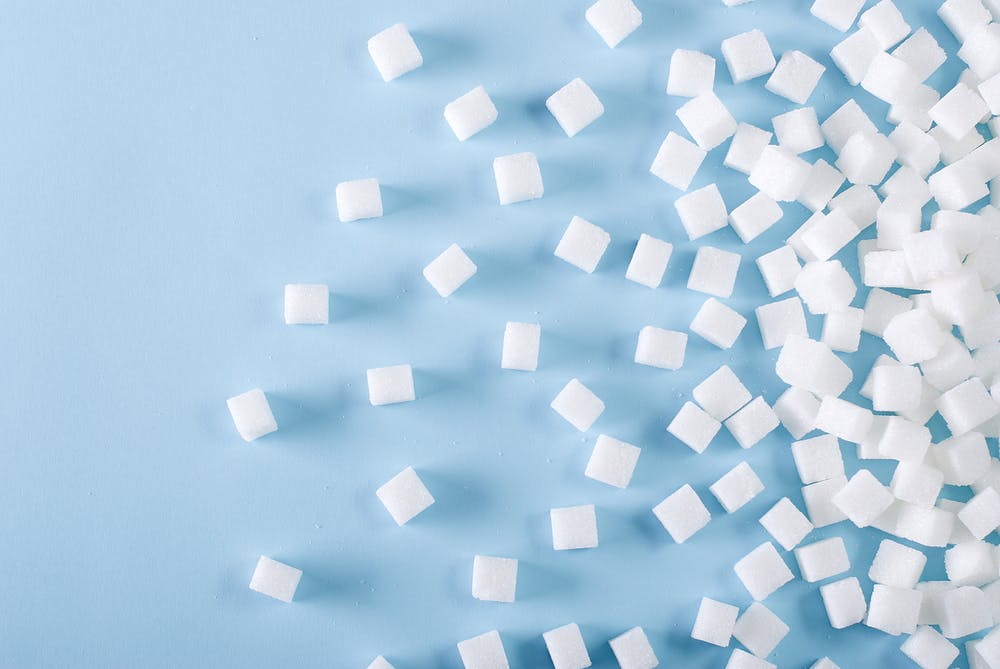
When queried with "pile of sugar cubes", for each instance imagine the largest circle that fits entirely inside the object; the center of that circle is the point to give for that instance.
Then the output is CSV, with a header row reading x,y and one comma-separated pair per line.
x,y
920,208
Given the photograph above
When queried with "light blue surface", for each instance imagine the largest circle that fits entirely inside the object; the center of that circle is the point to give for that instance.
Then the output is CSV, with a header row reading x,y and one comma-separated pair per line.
x,y
167,167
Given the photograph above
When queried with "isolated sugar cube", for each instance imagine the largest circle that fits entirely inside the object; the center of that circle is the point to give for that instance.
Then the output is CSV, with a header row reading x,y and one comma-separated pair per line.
x,y
566,647
307,304
391,385
797,409
380,663
966,611
746,147
707,120
470,113
449,271
359,199
929,649
649,261
394,52
692,73
521,343
863,499
485,651
786,524
779,269
714,271
760,630
573,527
718,324
780,174
404,496
737,487
275,579
839,14
754,217
752,423
583,244
818,459
762,571
660,348
702,211
518,178
779,320
494,579
822,559
740,659
694,427
614,20
575,106
612,461
982,513
632,650
714,622
844,602
795,77
251,414
721,394
748,56
897,565
677,161
682,513
578,405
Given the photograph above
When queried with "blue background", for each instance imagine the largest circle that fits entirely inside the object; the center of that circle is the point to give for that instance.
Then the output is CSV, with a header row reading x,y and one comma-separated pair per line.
x,y
167,167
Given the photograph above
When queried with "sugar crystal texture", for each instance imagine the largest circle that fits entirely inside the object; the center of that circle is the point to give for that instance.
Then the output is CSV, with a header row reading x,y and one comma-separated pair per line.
x,y
390,385
682,514
754,217
982,513
449,271
798,130
251,414
780,174
583,244
746,147
578,405
521,343
566,647
886,22
762,571
394,52
812,366
612,461
574,527
358,199
632,650
275,579
966,611
844,602
797,409
714,623
494,579
518,178
470,113
740,659
760,630
404,496
613,20
575,106
779,269
485,651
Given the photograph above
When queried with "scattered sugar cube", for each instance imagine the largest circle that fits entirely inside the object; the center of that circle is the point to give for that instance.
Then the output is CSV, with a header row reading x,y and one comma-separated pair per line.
x,y
682,514
881,307
839,14
718,324
494,579
844,602
612,461
929,649
780,174
702,211
822,559
818,459
825,286
844,419
828,234
966,611
632,650
752,423
677,161
707,120
855,54
518,177
779,269
613,20
798,130
893,610
958,111
649,261
971,563
897,565
890,79
566,647
380,663
746,147
779,320
982,513
307,304
904,440
917,483
694,427
721,394
759,630
981,51
470,113
963,460
762,571
449,271
795,77
786,524
483,652
967,406
737,487
886,23
797,409
823,183
358,199
863,499
575,106
748,56
714,271
914,336
754,217
390,385
922,53
715,622
521,343
692,73
394,52
895,387
926,526
251,414
740,659
842,329
578,405
989,90
583,244
866,158
812,366
661,348
275,579
404,496
574,527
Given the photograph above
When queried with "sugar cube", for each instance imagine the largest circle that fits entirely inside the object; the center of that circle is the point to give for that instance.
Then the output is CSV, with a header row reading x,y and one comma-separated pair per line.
x,y
707,120
752,423
779,269
895,387
394,52
702,211
677,161
649,261
982,513
483,652
737,487
694,427
494,579
573,527
839,14
848,120
521,343
842,329
566,647
470,113
759,630
632,650
275,579
897,565
779,173
823,183
971,563
575,106
748,56
754,217
963,460
682,513
307,304
914,336
251,414
818,459
578,405
798,130
866,158
721,394
980,50
612,461
824,663
863,499
822,559
746,147
449,271
886,22
740,659
714,271
715,622
786,524
762,571
928,526
959,111
917,483
854,55
718,324
518,178
929,649
795,77
830,234
660,348
359,199
825,286
583,244
380,663
890,79
893,610
966,611
692,73
843,419
796,409
779,320
404,496
922,53
967,406
390,385
613,20
844,602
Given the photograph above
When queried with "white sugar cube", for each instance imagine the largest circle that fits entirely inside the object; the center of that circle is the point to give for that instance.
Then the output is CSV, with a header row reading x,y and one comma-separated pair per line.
x,y
825,286
692,73
307,304
818,459
755,216
404,496
839,14
715,622
494,579
583,244
251,414
470,113
866,158
844,602
275,579
798,130
694,427
682,513
812,366
707,120
613,20
917,483
521,343
844,123
922,53
897,218
929,649
890,79
823,183
390,385
394,52
759,630
981,50
971,563
762,571
578,405
721,394
967,406
855,54
566,647
380,663
786,524
779,173
752,423
779,269
714,271
893,610
573,527
958,185
740,659
843,419
797,409
829,234
483,652
702,211
953,150
677,161
746,147
959,111
518,178
897,565
575,106
842,329
779,320
737,487
748,56
660,348
963,460
824,663
881,307
449,271
982,513
822,559
358,199
612,461
649,261
914,336
989,90
718,324
632,650
795,77
915,148
863,499
886,22
928,526
966,611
